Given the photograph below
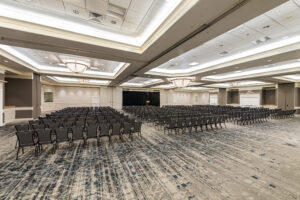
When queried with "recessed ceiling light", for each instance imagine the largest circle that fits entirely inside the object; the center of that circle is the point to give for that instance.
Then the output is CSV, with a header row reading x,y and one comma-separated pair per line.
x,y
269,60
45,56
61,64
238,71
193,63
6,61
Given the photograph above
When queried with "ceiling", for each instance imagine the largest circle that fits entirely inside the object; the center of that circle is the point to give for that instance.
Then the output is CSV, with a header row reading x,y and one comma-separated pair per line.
x,y
127,21
228,44
275,28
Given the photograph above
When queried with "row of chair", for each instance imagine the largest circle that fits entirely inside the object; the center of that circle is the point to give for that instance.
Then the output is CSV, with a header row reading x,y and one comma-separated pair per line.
x,y
182,124
57,127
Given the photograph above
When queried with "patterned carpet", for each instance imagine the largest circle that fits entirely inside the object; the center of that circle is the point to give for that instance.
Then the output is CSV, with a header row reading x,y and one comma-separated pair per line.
x,y
259,161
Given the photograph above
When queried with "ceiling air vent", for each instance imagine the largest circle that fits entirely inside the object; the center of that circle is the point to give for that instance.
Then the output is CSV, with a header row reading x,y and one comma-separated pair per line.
x,y
96,17
261,40
224,53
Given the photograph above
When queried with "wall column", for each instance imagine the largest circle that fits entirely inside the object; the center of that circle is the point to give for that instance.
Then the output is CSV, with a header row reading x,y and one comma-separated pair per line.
x,y
286,96
36,96
222,97
1,96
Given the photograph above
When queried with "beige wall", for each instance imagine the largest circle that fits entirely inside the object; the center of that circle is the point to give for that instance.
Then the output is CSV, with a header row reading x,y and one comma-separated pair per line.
x,y
171,97
64,96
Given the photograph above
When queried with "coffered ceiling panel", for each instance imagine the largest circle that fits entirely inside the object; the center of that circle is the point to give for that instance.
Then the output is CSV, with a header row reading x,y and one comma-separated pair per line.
x,y
125,21
274,29
57,62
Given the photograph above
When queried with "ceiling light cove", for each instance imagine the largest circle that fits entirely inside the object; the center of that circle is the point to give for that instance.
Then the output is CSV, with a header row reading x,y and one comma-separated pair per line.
x,y
292,78
141,82
78,80
256,71
238,84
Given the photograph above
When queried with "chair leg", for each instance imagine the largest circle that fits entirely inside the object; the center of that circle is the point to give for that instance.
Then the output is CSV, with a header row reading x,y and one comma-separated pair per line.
x,y
23,150
53,148
18,153
36,150
17,142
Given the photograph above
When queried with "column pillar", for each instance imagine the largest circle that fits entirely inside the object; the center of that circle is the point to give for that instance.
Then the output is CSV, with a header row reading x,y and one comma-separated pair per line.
x,y
1,96
286,96
36,95
222,97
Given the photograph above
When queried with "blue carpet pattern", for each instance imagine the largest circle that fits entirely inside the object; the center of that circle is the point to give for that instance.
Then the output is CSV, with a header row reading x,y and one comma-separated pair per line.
x,y
259,161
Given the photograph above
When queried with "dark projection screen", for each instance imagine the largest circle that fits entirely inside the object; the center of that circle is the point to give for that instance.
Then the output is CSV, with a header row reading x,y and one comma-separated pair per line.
x,y
133,98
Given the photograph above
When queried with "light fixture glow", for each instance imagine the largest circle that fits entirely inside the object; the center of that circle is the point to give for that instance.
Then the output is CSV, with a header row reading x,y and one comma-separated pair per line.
x,y
181,82
193,63
76,67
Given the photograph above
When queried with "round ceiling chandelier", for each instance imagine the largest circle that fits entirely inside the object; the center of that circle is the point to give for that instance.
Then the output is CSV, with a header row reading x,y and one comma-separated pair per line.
x,y
181,82
76,67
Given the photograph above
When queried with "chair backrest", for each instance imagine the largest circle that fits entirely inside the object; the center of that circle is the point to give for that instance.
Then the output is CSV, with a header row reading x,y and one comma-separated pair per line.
x,y
61,134
67,124
53,125
38,127
77,132
126,127
92,130
104,129
80,123
116,129
44,136
138,126
25,138
23,127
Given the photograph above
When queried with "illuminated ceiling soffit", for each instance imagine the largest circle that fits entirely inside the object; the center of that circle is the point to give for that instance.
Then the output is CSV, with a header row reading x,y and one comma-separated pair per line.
x,y
54,63
68,80
160,16
141,82
291,78
265,70
277,31
239,84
